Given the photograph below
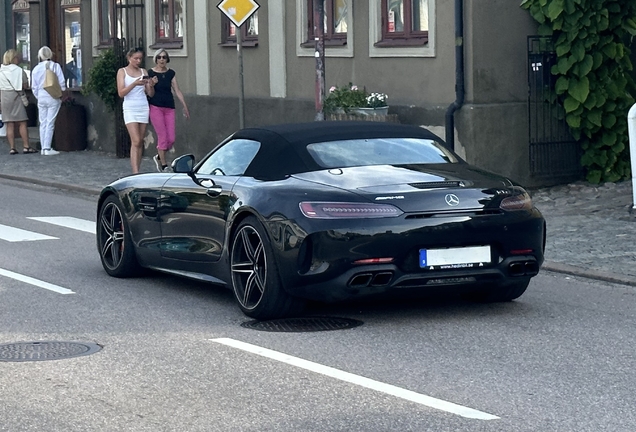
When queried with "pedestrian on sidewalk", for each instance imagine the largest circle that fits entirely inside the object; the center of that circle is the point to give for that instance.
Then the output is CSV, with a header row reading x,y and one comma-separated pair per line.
x,y
162,106
13,81
48,106
134,85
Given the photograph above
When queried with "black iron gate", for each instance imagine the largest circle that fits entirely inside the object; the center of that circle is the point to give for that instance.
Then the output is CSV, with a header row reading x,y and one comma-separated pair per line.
x,y
129,33
553,151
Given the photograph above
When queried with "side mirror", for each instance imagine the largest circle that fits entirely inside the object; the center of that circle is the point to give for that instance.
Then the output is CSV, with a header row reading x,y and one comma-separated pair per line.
x,y
183,164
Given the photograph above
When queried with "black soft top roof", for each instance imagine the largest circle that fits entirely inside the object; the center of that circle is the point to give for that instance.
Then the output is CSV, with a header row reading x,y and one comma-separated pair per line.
x,y
283,151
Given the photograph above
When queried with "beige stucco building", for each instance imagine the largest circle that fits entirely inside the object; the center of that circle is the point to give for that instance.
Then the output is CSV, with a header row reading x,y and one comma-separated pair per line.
x,y
407,49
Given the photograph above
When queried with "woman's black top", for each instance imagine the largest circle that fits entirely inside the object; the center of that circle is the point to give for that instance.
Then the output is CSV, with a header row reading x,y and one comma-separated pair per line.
x,y
163,89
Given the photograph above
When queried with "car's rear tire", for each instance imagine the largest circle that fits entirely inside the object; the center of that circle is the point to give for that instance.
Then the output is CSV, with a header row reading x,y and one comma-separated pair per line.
x,y
114,243
503,292
255,279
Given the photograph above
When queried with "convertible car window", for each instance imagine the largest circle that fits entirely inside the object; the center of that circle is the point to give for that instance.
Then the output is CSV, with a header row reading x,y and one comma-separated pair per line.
x,y
379,151
232,159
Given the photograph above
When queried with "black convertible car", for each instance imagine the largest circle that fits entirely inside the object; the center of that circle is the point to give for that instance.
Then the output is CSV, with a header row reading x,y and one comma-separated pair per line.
x,y
325,211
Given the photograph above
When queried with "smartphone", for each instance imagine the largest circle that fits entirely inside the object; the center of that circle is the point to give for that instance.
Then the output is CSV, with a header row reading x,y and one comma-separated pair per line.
x,y
145,77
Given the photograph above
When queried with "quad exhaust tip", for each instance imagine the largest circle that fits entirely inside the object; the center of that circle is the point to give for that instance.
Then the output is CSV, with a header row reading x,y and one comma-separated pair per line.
x,y
522,268
374,279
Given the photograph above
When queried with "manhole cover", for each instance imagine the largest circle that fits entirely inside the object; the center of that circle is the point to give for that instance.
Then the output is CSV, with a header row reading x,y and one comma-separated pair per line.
x,y
304,324
52,350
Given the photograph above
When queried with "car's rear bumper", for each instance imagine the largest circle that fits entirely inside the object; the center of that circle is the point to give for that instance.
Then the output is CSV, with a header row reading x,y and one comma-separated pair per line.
x,y
323,265
365,281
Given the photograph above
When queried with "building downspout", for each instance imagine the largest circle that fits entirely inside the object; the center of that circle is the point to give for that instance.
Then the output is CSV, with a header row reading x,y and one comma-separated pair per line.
x,y
459,74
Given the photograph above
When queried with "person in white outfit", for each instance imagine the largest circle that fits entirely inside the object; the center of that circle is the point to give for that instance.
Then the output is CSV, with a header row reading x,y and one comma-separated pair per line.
x,y
48,107
134,85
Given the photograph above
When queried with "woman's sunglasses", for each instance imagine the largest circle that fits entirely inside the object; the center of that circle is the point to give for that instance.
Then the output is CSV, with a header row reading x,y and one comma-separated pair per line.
x,y
164,57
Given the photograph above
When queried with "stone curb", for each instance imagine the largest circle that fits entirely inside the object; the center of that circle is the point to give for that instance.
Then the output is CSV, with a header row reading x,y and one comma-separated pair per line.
x,y
82,189
588,273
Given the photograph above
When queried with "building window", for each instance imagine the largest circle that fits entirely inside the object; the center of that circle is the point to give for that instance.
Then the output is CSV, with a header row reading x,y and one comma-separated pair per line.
x,y
22,32
106,22
72,42
169,23
249,31
335,22
404,23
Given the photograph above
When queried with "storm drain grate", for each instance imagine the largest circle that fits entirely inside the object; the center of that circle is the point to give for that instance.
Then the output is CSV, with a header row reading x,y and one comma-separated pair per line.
x,y
39,351
304,324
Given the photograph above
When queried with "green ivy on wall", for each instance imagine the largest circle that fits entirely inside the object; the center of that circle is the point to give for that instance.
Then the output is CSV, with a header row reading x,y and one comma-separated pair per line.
x,y
594,84
102,79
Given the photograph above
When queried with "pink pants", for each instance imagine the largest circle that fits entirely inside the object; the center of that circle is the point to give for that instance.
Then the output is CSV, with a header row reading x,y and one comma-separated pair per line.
x,y
162,120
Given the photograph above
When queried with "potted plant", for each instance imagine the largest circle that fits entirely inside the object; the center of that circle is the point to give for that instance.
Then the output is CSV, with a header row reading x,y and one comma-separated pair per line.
x,y
351,99
70,126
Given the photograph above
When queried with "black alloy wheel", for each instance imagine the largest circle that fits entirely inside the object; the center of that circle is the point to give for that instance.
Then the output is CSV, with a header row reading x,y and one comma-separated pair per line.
x,y
255,279
113,241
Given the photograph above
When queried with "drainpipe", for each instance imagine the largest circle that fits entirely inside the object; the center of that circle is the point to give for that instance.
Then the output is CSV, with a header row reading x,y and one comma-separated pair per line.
x,y
631,127
459,75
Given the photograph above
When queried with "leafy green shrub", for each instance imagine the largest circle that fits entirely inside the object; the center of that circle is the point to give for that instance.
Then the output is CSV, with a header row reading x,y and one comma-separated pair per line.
x,y
345,97
594,85
102,79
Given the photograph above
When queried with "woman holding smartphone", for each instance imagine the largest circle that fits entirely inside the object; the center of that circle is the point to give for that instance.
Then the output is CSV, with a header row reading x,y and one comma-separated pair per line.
x,y
162,107
133,84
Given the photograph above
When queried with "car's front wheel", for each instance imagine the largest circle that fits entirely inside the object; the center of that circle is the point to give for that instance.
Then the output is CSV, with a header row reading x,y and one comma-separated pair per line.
x,y
255,279
114,243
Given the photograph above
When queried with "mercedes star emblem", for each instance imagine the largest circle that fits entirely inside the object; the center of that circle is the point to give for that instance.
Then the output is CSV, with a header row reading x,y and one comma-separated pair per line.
x,y
451,200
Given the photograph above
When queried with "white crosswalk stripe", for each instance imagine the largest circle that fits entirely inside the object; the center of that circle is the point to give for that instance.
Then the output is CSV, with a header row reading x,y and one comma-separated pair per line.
x,y
36,282
12,234
68,222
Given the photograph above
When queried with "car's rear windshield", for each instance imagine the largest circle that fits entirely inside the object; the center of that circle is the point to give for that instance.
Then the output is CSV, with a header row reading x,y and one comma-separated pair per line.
x,y
379,151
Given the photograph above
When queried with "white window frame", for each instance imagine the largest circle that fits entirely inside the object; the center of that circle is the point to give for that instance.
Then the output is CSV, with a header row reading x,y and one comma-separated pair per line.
x,y
375,35
331,51
149,8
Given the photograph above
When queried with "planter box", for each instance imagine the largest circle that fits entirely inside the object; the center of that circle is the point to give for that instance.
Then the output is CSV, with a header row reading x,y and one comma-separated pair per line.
x,y
70,129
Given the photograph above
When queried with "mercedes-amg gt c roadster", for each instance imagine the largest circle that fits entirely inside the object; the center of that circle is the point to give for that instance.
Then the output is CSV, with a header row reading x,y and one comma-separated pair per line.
x,y
325,211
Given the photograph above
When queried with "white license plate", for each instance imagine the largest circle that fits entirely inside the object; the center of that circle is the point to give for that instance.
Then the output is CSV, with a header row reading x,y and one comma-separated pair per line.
x,y
462,257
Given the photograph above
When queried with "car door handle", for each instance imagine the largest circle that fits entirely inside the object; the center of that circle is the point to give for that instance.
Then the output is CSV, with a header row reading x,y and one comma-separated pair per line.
x,y
214,191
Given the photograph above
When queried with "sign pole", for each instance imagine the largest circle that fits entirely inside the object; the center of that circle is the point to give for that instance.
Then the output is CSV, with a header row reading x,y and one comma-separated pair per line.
x,y
239,46
631,128
319,34
239,11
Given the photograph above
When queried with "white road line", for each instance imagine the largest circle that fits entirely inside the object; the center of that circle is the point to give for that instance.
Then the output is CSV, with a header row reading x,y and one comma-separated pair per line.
x,y
36,282
12,234
68,222
359,380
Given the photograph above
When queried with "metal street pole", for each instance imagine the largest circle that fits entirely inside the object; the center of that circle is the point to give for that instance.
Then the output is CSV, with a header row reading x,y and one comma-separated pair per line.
x,y
631,127
239,50
319,33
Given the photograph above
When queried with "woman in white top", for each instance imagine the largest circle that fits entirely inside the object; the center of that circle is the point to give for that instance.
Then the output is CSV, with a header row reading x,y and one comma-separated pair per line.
x,y
13,79
133,84
48,106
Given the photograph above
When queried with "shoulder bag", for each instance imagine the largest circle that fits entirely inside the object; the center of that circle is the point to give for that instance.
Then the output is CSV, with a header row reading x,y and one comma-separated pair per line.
x,y
51,83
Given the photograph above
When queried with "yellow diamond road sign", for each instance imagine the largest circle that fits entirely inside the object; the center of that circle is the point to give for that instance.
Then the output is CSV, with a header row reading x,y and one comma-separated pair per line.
x,y
238,11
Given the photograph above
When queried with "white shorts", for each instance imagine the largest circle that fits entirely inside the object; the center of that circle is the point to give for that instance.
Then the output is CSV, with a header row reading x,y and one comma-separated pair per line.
x,y
136,115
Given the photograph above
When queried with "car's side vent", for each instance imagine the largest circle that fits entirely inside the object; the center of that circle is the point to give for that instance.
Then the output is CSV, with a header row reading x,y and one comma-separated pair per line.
x,y
476,213
439,184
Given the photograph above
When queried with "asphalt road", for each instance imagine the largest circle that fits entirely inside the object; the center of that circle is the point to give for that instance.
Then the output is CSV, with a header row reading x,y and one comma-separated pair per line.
x,y
175,356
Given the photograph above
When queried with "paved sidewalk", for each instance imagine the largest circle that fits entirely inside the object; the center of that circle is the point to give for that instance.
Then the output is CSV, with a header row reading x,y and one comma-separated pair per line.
x,y
591,232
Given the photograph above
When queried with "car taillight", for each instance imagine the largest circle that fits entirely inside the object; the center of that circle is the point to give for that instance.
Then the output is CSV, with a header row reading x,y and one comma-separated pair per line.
x,y
342,210
521,201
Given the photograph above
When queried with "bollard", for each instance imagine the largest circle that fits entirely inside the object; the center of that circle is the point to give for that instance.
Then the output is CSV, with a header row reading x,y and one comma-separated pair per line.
x,y
631,127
